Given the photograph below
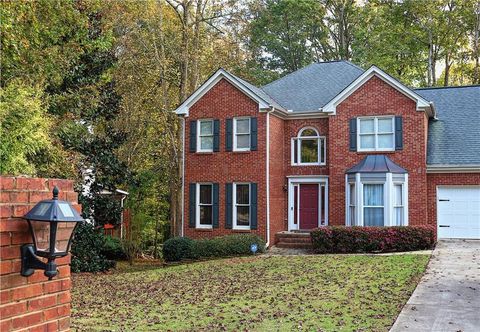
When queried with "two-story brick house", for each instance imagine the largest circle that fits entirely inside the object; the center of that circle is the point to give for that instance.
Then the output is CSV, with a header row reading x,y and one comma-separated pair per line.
x,y
330,144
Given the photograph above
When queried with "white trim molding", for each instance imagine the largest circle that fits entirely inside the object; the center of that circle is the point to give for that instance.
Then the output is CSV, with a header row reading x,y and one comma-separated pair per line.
x,y
422,103
220,74
321,180
453,169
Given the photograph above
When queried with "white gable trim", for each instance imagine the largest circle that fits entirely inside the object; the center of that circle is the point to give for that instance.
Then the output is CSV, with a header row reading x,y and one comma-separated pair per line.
x,y
183,109
422,104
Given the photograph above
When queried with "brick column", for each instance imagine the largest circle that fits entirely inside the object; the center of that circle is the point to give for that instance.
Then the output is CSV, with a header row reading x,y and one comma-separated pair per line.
x,y
30,303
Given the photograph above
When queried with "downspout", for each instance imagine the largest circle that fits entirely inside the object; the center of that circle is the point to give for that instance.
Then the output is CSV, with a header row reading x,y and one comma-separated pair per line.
x,y
183,175
121,216
268,175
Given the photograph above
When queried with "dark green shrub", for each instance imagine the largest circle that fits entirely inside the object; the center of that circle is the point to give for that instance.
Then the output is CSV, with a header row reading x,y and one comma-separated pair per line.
x,y
223,246
86,250
338,239
177,248
113,248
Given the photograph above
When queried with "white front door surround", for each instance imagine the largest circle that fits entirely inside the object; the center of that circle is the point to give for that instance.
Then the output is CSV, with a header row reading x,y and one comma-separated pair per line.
x,y
293,181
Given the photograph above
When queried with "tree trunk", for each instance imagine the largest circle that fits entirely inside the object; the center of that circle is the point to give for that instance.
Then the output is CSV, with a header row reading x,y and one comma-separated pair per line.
x,y
476,47
194,71
447,69
430,59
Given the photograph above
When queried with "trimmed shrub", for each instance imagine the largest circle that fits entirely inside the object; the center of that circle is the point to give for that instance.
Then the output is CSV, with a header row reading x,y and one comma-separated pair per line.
x,y
176,249
87,247
339,239
113,248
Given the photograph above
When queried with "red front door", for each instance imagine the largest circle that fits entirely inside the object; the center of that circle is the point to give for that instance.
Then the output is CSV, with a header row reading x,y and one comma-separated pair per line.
x,y
308,206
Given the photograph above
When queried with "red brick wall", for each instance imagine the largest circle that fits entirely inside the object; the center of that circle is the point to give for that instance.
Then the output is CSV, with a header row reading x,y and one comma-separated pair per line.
x,y
30,303
278,181
221,102
376,97
445,179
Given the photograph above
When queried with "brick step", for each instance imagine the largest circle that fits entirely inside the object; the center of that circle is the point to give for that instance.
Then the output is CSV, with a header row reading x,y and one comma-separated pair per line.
x,y
294,245
295,240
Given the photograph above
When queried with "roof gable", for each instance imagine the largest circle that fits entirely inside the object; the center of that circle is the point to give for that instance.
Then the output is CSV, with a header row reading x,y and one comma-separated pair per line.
x,y
422,103
263,100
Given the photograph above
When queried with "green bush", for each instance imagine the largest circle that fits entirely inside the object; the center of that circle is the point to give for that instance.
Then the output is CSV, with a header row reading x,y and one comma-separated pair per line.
x,y
87,247
339,239
113,249
176,249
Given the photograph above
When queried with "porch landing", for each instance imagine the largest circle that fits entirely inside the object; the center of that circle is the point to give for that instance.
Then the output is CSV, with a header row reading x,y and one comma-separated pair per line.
x,y
293,240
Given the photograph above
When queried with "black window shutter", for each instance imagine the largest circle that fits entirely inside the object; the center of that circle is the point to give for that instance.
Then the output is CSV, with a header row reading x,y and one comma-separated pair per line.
x,y
253,134
215,205
353,134
228,205
253,206
216,135
229,135
192,205
193,136
398,133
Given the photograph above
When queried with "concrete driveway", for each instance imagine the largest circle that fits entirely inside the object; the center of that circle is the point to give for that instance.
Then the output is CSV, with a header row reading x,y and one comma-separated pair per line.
x,y
448,296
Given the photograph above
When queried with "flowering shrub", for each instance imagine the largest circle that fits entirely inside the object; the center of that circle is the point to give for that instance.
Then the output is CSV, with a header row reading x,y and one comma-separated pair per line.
x,y
339,239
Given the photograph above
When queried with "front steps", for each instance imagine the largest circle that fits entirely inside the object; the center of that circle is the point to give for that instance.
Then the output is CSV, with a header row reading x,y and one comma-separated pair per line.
x,y
293,240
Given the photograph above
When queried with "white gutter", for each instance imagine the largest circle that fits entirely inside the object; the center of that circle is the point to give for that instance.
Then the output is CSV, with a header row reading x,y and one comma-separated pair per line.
x,y
268,176
183,174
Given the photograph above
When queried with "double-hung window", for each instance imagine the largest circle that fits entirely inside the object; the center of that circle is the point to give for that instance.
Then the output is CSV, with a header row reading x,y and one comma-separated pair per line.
x,y
398,205
205,136
308,148
373,207
376,133
204,205
241,134
241,209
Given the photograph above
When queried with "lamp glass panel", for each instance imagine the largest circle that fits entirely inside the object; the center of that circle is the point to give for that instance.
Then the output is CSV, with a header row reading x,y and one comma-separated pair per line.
x,y
41,231
64,233
66,210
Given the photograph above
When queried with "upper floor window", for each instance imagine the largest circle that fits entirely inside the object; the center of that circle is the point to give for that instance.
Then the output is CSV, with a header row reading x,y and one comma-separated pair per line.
x,y
205,136
308,148
376,133
241,134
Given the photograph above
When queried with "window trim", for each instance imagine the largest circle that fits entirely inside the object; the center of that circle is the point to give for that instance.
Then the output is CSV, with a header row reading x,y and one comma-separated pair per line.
x,y
235,148
296,145
235,204
375,133
198,204
352,217
199,135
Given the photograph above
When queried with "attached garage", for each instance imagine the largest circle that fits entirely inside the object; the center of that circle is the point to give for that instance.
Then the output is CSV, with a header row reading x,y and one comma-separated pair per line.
x,y
458,212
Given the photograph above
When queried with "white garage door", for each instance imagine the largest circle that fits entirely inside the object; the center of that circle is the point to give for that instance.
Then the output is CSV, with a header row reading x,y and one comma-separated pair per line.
x,y
458,212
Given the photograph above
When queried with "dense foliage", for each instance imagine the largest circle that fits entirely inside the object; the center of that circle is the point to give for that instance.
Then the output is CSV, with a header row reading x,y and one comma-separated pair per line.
x,y
372,239
94,252
176,249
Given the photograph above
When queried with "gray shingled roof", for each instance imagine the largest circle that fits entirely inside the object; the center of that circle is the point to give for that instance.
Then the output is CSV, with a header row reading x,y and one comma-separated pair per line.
x,y
312,87
454,139
259,92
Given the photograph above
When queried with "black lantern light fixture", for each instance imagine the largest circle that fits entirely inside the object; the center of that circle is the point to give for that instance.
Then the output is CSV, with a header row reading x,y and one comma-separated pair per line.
x,y
52,223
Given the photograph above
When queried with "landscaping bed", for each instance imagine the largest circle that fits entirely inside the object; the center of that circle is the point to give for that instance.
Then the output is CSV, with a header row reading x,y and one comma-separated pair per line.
x,y
328,293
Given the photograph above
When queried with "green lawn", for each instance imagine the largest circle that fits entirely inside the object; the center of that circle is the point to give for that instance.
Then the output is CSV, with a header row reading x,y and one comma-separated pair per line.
x,y
310,293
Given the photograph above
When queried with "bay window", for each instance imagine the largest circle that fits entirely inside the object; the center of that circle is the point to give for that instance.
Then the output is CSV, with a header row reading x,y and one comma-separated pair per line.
x,y
373,206
398,205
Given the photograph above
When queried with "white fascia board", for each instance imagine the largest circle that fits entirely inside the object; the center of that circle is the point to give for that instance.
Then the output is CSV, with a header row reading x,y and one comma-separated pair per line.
x,y
453,169
422,104
183,109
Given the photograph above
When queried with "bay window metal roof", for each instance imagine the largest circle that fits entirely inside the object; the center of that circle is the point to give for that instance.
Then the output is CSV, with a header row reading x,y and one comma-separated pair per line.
x,y
377,163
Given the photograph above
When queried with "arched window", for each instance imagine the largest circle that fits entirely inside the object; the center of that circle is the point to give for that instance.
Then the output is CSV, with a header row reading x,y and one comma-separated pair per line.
x,y
308,148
